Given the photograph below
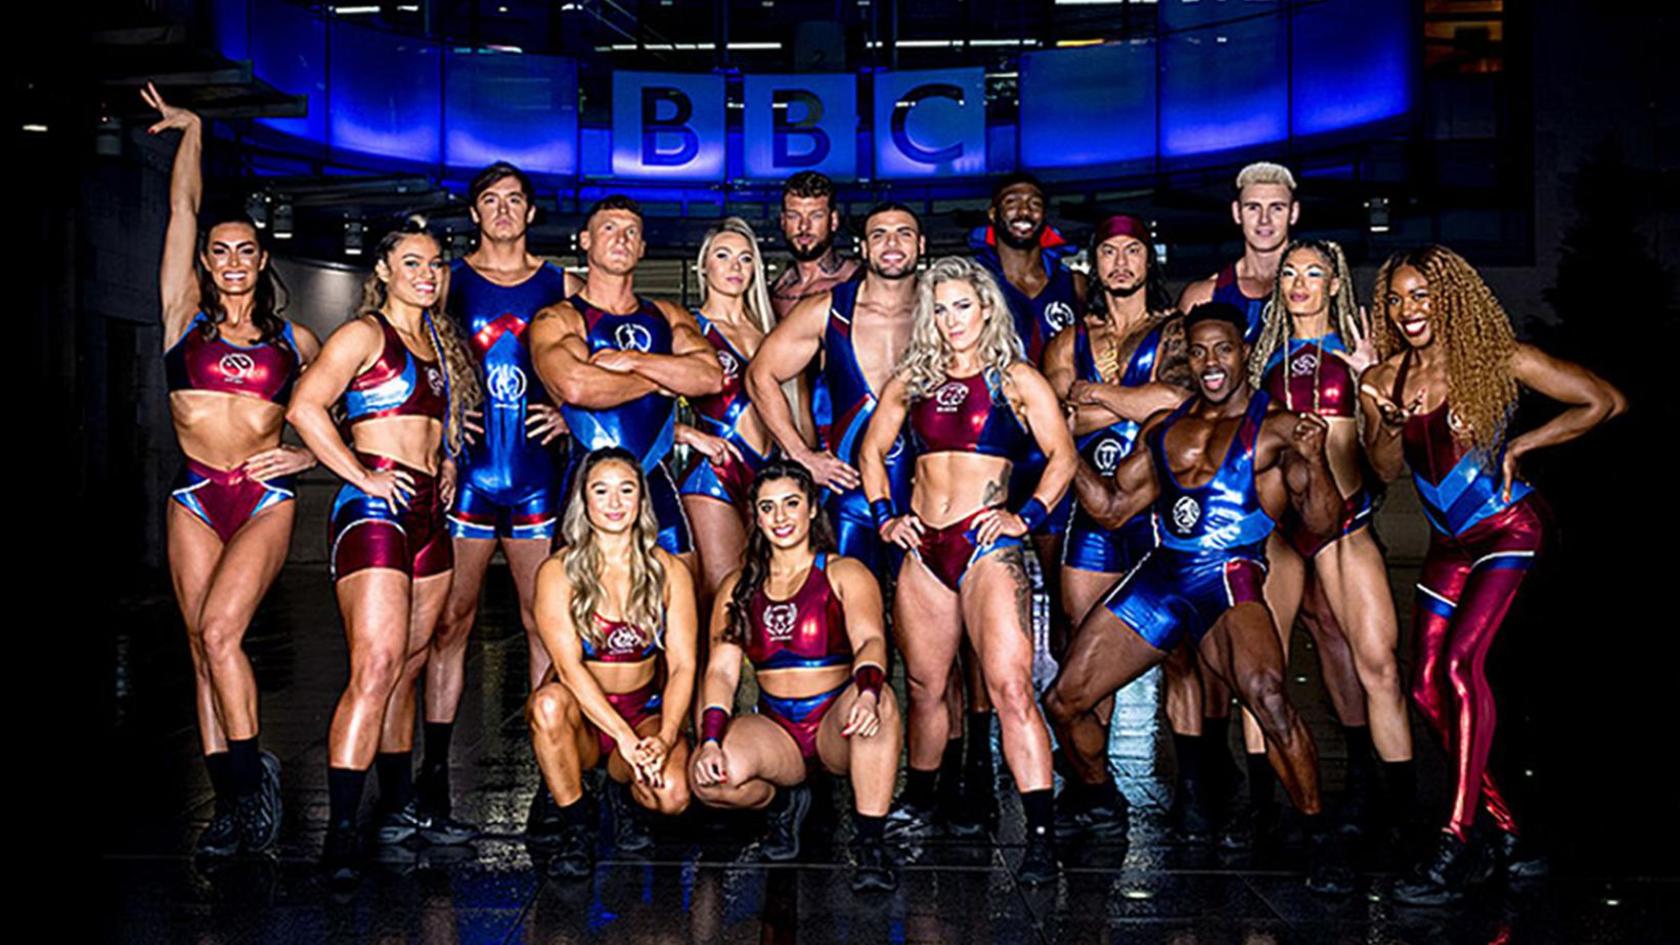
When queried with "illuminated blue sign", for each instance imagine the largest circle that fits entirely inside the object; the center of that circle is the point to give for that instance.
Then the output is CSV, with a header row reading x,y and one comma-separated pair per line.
x,y
1091,107
930,123
798,123
509,107
668,126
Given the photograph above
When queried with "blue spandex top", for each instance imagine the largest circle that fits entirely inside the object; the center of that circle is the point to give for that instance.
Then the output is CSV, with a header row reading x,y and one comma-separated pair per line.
x,y
1224,513
1105,448
646,425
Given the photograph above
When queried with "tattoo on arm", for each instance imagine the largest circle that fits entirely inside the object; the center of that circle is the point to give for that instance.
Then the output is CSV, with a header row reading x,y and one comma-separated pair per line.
x,y
995,491
1174,368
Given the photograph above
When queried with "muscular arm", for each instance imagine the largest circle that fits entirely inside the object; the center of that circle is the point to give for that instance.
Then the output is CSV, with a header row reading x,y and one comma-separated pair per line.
x,y
1298,442
878,439
177,282
561,358
1044,418
1113,502
723,663
691,369
553,610
1591,399
1061,371
789,347
861,596
1196,293
681,646
346,353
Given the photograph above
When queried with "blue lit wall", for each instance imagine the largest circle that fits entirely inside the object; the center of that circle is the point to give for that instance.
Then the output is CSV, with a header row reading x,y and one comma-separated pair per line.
x,y
1219,78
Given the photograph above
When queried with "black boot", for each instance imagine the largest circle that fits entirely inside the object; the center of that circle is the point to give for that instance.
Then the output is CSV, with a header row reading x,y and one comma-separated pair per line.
x,y
1443,877
787,817
630,833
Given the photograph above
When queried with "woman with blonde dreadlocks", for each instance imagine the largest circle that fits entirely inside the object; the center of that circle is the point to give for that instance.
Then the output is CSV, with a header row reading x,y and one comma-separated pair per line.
x,y
405,380
1313,345
1439,402
616,613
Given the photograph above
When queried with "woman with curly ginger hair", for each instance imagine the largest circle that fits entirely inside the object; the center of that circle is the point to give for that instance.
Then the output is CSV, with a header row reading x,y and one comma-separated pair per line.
x,y
1439,402
974,407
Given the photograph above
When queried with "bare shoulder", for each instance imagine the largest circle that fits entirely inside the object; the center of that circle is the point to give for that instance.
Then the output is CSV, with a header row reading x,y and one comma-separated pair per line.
x,y
675,314
677,576
551,574
1027,377
1197,292
848,575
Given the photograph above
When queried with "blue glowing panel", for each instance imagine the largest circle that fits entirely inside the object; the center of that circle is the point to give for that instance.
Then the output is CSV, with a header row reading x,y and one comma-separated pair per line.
x,y
289,51
930,123
233,28
1352,61
668,126
386,95
1088,107
798,123
1226,86
511,107
1189,14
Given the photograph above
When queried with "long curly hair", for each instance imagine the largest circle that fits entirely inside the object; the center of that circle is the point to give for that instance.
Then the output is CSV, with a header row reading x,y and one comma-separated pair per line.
x,y
644,607
459,366
1472,325
270,293
755,561
1276,325
926,362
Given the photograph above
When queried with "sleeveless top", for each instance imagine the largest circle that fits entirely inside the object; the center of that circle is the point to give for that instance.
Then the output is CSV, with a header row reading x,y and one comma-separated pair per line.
x,y
1223,514
806,631
265,370
645,426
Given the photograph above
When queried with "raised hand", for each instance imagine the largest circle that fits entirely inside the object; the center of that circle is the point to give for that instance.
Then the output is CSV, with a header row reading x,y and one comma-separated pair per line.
x,y
173,117
1364,353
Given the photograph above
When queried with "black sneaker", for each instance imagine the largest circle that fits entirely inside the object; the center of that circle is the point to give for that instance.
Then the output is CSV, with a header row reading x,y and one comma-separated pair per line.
x,y
630,833
396,825
1038,860
575,856
873,870
543,821
781,841
975,809
1443,877
258,814
1193,817
909,823
1105,820
436,827
1328,873
1517,857
221,835
341,855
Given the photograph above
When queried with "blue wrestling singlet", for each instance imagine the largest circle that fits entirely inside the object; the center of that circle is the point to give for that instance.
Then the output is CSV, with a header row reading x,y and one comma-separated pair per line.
x,y
1091,547
720,415
844,404
1212,555
509,484
1226,289
645,426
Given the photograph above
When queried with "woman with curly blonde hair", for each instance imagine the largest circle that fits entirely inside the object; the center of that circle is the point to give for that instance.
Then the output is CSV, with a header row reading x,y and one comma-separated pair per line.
x,y
974,407
405,381
616,614
1439,402
1312,347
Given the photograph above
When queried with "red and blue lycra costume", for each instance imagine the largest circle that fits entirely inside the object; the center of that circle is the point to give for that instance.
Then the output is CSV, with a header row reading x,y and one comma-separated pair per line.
x,y
509,483
1227,289
1212,555
226,499
624,643
1311,379
1091,547
646,426
843,403
964,415
366,531
720,415
1481,547
806,631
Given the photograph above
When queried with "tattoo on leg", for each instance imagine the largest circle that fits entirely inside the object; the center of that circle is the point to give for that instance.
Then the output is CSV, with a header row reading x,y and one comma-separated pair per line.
x,y
1016,567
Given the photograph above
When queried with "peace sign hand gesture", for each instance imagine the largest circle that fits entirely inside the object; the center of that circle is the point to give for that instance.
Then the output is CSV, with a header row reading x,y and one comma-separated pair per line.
x,y
173,117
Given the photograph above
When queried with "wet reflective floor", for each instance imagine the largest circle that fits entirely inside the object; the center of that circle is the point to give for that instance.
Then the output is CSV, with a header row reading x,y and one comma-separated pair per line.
x,y
702,882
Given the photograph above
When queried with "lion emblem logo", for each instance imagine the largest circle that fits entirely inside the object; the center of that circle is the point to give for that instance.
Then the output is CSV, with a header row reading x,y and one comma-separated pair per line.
x,y
633,337
779,620
237,365
1186,512
506,383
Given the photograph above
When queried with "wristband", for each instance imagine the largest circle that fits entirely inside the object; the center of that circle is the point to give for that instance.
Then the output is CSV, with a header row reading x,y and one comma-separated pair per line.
x,y
882,510
712,723
1033,513
869,678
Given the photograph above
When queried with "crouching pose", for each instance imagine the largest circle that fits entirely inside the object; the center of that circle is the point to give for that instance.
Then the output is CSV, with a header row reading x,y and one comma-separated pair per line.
x,y
810,622
1220,470
616,613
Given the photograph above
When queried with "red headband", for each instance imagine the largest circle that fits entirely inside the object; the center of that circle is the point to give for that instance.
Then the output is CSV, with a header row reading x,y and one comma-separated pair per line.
x,y
1121,224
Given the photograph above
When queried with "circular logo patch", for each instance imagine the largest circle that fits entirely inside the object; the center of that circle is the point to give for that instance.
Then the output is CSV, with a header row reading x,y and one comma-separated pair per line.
x,y
951,396
778,620
1107,456
1058,315
1304,364
731,366
633,337
506,383
624,639
434,379
1186,512
237,365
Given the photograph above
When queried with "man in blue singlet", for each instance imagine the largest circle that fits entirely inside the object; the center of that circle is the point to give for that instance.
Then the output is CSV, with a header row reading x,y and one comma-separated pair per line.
x,y
616,360
509,473
860,328
1266,209
1218,471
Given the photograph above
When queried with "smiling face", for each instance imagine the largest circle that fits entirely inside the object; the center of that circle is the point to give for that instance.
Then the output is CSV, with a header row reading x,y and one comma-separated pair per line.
x,y
413,271
892,244
1122,264
503,211
613,497
784,513
729,265
233,257
1308,282
613,241
959,314
1265,212
1218,360
808,225
1408,306
1017,215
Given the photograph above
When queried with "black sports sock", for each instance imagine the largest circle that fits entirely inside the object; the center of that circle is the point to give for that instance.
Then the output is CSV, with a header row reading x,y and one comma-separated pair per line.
x,y
1400,784
244,766
1217,763
344,795
919,786
575,814
1189,752
1262,784
1359,752
869,829
1040,810
221,776
950,773
396,778
435,737
979,746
